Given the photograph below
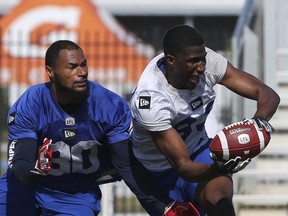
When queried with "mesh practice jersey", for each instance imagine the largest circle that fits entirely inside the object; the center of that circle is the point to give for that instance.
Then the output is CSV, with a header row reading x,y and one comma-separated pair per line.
x,y
157,106
78,139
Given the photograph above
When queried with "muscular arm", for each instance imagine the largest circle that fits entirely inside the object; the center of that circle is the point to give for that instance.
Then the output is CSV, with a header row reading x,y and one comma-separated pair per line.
x,y
250,87
174,149
23,160
136,177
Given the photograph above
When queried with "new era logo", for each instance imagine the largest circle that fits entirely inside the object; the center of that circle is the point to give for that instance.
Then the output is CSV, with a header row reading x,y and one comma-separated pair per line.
x,y
144,102
196,103
69,133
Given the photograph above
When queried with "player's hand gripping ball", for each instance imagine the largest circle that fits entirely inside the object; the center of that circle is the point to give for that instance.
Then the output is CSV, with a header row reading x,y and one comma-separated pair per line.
x,y
245,139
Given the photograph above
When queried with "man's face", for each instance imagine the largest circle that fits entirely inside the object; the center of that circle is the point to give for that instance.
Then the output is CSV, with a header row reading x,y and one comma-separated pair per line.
x,y
188,67
71,72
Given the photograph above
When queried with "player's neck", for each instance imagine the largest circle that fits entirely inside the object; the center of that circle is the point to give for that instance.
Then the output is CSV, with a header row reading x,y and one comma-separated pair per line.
x,y
69,108
67,98
169,76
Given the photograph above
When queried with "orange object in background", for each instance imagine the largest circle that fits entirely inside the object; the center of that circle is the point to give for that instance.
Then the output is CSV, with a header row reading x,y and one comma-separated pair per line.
x,y
113,54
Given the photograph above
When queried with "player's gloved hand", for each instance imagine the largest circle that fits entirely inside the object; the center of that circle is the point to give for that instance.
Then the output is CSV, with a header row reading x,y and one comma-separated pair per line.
x,y
261,123
179,208
43,163
231,166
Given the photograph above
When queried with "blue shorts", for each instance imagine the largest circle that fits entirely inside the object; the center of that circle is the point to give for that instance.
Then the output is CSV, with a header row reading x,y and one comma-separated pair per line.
x,y
171,185
16,199
53,202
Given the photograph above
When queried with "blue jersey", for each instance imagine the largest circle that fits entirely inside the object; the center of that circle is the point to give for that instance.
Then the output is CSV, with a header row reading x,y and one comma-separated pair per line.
x,y
79,138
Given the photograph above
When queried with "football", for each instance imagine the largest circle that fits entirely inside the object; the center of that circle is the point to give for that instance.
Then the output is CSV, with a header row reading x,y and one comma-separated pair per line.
x,y
242,139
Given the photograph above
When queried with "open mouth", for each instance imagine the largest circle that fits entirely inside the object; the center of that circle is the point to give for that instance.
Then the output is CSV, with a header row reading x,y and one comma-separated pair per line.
x,y
192,82
81,83
195,79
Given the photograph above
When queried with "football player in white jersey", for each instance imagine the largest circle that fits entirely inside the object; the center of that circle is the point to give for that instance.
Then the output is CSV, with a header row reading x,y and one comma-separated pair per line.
x,y
170,105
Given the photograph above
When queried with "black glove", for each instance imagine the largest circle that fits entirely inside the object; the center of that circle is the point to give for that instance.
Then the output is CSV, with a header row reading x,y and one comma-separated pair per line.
x,y
261,123
231,166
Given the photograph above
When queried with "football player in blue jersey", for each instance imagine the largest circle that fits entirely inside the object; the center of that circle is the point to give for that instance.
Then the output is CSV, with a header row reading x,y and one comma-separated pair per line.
x,y
170,105
62,135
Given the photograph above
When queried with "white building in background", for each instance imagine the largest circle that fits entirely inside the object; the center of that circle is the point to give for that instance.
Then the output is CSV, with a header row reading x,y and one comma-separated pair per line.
x,y
158,7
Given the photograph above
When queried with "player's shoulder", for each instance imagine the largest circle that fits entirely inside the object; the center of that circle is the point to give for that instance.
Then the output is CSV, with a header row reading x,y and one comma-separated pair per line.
x,y
153,78
30,100
216,64
153,85
97,91
214,56
39,87
33,93
103,97
107,106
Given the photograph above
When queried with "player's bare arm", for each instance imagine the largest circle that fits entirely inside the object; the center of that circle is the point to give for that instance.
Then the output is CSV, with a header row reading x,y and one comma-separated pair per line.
x,y
174,149
250,87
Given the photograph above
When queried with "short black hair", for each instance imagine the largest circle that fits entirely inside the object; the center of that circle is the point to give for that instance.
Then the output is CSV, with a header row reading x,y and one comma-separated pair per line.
x,y
179,37
54,49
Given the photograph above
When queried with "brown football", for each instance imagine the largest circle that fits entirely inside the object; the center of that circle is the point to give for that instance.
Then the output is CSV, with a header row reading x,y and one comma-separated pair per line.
x,y
242,139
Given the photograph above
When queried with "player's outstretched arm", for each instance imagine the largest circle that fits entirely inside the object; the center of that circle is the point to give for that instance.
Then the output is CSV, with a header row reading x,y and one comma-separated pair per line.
x,y
246,85
136,177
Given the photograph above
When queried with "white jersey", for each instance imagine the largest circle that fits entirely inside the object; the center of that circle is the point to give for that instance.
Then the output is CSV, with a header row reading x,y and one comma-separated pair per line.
x,y
158,106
